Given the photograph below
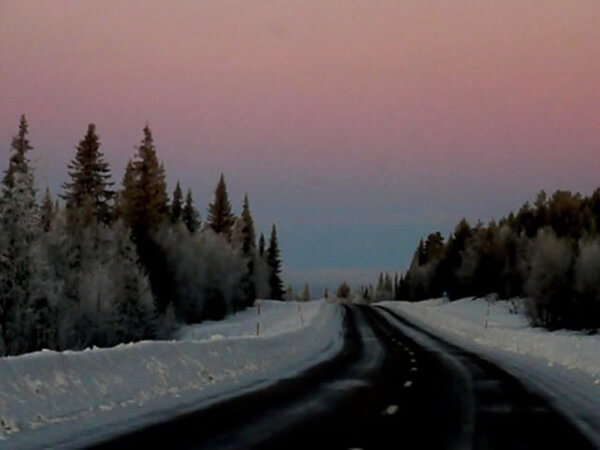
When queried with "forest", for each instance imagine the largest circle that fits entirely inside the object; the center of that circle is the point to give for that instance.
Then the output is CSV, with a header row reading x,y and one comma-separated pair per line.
x,y
103,265
548,252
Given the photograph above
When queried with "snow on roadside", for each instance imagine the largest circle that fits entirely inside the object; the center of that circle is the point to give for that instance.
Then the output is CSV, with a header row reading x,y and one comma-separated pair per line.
x,y
275,318
508,331
55,398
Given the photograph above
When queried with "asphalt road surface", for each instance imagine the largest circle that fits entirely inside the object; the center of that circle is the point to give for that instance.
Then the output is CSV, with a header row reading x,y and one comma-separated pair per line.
x,y
392,386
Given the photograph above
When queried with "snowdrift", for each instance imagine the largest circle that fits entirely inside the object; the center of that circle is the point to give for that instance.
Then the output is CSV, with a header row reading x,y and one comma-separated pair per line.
x,y
99,392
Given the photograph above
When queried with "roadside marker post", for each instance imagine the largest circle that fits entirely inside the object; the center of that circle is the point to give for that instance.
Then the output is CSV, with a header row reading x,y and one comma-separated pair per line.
x,y
258,318
301,315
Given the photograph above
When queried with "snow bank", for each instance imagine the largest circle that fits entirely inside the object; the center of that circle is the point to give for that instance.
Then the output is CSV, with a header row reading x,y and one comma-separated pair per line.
x,y
101,391
275,318
508,331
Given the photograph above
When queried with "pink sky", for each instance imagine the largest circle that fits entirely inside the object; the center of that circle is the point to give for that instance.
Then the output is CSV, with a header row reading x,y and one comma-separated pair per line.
x,y
405,114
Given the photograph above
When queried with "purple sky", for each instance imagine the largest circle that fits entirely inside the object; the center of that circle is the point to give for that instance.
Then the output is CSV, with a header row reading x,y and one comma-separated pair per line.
x,y
357,126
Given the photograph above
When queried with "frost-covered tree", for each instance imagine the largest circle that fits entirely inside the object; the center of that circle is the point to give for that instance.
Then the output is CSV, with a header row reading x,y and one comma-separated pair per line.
x,y
207,274
220,218
89,186
19,226
133,301
274,262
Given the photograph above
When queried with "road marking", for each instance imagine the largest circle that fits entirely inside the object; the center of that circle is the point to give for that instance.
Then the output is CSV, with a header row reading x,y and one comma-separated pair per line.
x,y
408,383
413,360
390,410
413,369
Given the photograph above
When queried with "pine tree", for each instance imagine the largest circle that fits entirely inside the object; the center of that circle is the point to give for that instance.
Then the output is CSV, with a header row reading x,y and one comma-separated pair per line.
x,y
47,212
261,245
190,216
305,293
150,206
176,204
248,248
274,262
147,210
248,233
18,161
19,226
220,218
89,187
126,196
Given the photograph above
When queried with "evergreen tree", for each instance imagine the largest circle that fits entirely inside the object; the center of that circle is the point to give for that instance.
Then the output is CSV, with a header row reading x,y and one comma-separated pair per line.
x,y
261,245
248,233
150,206
126,196
305,293
176,204
220,218
147,210
47,212
274,262
248,249
18,162
343,291
89,173
190,216
19,226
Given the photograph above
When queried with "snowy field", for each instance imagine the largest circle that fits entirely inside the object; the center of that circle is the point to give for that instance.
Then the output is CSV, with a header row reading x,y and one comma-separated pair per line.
x,y
562,365
98,392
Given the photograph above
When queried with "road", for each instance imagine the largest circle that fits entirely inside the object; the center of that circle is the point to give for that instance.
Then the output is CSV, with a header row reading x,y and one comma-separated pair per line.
x,y
392,386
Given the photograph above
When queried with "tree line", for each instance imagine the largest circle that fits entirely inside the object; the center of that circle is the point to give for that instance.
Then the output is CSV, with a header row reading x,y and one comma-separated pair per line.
x,y
548,252
105,265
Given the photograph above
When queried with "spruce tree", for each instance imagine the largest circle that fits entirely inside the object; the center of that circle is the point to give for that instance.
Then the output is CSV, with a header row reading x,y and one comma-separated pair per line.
x,y
18,162
220,218
190,216
248,248
150,206
176,204
248,233
261,245
126,196
47,211
274,262
305,293
148,210
89,185
19,226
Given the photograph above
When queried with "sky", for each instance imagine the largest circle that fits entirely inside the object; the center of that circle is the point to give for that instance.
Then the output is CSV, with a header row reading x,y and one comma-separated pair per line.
x,y
358,127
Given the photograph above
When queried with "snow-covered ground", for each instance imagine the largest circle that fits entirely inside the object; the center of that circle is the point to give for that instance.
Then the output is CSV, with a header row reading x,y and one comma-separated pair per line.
x,y
562,365
275,318
98,392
